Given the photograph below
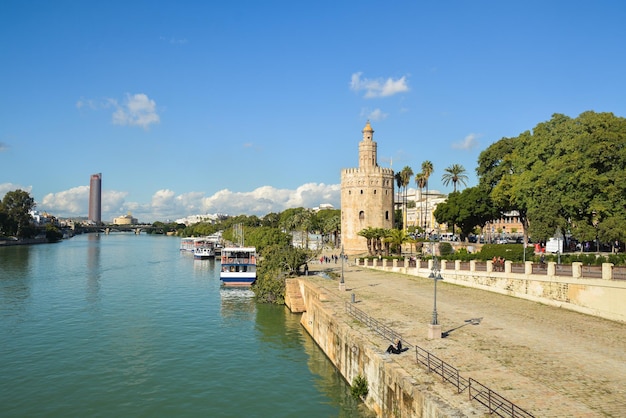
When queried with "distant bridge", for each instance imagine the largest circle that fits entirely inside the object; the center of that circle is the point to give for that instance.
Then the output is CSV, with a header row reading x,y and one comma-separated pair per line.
x,y
106,229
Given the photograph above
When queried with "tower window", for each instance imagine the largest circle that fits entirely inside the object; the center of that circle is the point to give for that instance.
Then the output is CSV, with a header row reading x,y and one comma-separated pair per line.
x,y
374,191
361,216
361,191
387,215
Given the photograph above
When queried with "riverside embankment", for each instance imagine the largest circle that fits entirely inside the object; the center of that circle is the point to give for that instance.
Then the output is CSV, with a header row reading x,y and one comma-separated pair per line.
x,y
549,361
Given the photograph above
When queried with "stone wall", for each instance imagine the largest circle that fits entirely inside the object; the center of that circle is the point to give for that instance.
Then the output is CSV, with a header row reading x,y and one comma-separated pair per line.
x,y
602,297
392,392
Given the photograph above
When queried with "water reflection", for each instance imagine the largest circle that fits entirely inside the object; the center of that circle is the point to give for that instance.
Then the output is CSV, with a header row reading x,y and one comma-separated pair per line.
x,y
237,303
330,382
94,270
15,278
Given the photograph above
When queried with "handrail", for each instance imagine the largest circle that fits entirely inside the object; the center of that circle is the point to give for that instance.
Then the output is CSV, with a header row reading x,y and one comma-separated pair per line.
x,y
495,403
375,325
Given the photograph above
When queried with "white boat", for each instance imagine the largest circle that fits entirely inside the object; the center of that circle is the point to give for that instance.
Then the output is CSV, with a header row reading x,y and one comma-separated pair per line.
x,y
193,244
204,252
238,266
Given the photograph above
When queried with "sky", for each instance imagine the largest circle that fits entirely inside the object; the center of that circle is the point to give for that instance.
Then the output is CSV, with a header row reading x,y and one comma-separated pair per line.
x,y
248,107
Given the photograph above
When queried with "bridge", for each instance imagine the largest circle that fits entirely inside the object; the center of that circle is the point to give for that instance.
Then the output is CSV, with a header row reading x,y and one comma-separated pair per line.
x,y
108,228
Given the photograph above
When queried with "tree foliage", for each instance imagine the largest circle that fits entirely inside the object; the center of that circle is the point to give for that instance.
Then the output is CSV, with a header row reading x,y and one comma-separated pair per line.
x,y
15,219
568,173
467,209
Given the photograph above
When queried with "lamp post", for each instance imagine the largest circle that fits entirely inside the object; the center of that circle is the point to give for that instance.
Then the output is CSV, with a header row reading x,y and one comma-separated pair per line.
x,y
342,283
435,274
434,328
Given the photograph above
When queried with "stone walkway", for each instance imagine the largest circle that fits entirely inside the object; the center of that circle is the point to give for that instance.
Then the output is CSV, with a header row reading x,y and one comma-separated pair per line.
x,y
549,361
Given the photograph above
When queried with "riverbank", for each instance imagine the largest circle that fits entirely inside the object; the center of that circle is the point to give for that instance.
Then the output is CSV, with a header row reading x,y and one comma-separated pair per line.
x,y
548,361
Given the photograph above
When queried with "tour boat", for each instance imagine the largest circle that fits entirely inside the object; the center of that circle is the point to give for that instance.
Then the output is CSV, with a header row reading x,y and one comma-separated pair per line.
x,y
238,266
204,252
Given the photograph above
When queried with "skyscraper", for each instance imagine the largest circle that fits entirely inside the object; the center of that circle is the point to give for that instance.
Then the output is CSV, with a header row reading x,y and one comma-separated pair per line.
x,y
95,198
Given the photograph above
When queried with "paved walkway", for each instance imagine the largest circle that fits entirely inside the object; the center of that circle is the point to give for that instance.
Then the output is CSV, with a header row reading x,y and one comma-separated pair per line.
x,y
549,361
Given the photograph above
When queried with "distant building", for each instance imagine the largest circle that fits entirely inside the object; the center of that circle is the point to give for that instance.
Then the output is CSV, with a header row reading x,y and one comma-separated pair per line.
x,y
95,198
323,206
421,214
125,220
366,196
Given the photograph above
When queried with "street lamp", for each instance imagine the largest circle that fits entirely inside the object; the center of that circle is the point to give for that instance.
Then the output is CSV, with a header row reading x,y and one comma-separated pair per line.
x,y
434,329
435,274
342,283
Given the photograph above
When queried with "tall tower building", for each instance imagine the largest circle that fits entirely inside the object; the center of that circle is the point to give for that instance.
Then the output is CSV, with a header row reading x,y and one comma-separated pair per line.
x,y
366,196
95,198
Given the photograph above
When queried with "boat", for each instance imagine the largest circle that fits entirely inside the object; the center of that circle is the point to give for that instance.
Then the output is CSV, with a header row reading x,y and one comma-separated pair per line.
x,y
204,252
238,266
187,244
193,244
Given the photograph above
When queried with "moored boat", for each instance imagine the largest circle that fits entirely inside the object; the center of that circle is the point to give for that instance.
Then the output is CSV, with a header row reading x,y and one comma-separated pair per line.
x,y
204,252
238,266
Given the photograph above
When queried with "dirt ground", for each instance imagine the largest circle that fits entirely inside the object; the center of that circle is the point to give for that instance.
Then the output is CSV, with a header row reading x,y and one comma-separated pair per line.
x,y
549,361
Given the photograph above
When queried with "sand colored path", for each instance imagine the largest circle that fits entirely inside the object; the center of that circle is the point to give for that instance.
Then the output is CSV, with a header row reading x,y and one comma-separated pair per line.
x,y
549,361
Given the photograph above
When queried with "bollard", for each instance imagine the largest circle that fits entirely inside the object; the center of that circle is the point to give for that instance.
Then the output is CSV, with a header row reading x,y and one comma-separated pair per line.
x,y
352,298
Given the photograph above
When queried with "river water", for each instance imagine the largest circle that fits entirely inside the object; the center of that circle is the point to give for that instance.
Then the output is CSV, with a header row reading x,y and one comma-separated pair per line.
x,y
127,325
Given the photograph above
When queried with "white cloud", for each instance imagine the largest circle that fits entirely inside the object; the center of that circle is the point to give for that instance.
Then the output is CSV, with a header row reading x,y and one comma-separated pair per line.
x,y
167,205
137,110
375,115
378,87
266,199
11,187
469,142
75,202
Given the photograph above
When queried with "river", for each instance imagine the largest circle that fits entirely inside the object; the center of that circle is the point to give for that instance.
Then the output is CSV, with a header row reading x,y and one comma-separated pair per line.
x,y
127,325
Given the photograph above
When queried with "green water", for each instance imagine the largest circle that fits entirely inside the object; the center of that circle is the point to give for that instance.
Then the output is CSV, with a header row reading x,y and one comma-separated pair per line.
x,y
126,325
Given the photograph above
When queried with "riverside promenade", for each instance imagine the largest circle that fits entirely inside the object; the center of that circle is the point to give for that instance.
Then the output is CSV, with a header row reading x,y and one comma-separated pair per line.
x,y
548,361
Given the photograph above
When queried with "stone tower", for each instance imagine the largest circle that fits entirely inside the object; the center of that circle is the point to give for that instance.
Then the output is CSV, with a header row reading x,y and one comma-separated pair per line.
x,y
366,196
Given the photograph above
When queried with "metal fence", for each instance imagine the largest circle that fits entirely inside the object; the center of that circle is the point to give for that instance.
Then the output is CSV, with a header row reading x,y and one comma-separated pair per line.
x,y
478,392
375,325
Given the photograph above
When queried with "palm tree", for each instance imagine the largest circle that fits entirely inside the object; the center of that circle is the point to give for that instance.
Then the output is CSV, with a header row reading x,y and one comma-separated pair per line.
x,y
420,182
369,234
455,174
406,175
427,170
396,238
399,183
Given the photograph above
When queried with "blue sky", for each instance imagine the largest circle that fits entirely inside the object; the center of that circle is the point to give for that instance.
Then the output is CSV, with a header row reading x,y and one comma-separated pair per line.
x,y
194,107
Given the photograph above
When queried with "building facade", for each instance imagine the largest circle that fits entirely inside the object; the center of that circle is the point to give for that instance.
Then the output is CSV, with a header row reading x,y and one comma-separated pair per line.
x,y
125,220
367,195
95,198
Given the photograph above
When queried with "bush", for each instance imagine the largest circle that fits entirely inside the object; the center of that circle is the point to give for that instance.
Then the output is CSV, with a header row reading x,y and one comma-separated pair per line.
x,y
445,249
512,252
359,388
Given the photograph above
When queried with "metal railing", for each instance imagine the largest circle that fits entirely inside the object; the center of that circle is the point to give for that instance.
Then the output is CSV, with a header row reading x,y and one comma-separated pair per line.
x,y
435,365
495,403
375,325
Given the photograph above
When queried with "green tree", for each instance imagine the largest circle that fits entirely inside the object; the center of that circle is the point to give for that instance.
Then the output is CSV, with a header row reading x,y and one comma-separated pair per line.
x,y
403,179
420,183
397,237
427,171
467,209
369,234
17,221
454,174
568,173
